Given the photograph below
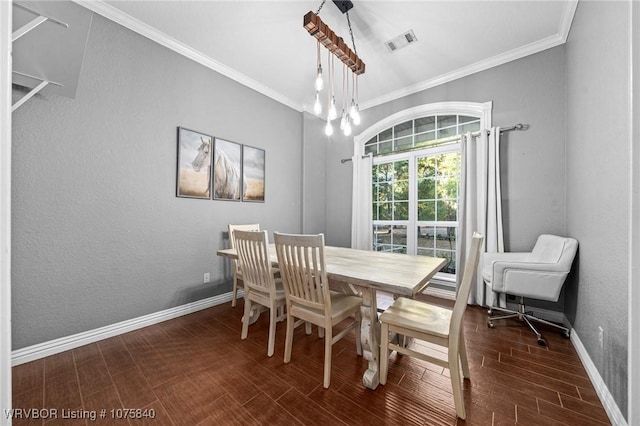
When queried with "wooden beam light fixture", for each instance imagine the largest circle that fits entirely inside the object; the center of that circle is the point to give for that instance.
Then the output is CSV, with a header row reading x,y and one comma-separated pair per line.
x,y
336,45
336,48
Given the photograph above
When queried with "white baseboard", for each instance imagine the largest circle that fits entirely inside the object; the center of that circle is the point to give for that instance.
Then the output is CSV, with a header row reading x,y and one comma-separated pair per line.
x,y
609,404
440,292
52,347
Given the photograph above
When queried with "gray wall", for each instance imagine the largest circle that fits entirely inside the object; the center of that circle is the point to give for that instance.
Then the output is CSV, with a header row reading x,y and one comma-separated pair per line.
x,y
598,184
529,90
99,236
314,205
98,233
568,174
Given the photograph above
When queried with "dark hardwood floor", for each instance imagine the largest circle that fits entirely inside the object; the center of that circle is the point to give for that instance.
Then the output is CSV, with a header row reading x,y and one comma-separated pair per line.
x,y
196,370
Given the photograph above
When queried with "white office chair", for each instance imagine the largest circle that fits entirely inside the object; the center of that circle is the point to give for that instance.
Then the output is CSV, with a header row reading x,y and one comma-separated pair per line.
x,y
536,275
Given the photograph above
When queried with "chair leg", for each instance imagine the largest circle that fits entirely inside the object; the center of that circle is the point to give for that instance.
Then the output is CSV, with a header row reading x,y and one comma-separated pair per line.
x,y
454,369
245,318
307,328
384,352
234,293
541,340
328,338
289,338
273,319
464,361
564,329
281,313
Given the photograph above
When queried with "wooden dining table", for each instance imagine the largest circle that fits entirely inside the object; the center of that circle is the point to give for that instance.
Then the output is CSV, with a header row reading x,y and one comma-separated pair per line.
x,y
368,271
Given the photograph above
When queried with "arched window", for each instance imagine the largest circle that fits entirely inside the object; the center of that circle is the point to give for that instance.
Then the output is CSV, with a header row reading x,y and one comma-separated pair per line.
x,y
416,178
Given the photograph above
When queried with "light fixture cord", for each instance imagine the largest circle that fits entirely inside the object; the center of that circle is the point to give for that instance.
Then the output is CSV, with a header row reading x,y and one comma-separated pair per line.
x,y
355,86
321,4
345,83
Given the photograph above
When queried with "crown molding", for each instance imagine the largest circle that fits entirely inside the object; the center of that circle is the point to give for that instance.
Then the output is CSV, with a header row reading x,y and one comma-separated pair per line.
x,y
512,55
567,19
127,21
495,61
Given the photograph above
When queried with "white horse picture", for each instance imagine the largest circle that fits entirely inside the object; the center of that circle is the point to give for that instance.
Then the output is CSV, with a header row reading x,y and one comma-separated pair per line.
x,y
194,164
227,179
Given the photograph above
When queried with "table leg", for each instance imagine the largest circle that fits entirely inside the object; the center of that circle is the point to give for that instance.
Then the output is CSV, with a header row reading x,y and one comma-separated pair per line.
x,y
370,337
256,310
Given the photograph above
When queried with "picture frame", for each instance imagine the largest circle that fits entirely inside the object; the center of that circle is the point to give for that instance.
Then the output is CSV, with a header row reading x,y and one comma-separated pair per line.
x,y
227,170
193,171
253,172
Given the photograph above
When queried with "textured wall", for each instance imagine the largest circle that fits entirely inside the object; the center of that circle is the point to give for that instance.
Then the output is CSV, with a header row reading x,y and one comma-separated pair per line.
x,y
529,90
98,234
598,190
314,217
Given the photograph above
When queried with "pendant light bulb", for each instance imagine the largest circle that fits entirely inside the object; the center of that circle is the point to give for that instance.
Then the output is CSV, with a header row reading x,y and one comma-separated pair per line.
x,y
319,80
333,113
354,113
343,120
347,126
347,129
317,106
328,129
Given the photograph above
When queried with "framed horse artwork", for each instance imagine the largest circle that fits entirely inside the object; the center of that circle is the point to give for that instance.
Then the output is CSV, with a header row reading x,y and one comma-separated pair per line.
x,y
227,164
194,164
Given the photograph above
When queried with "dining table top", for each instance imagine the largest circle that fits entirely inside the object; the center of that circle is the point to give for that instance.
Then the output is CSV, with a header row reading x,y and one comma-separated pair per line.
x,y
397,273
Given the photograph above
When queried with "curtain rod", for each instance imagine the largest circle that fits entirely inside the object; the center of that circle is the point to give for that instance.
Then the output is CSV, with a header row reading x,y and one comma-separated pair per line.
x,y
518,126
344,160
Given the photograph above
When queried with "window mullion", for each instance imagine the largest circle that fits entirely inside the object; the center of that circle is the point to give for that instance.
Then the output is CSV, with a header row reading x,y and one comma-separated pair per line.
x,y
413,206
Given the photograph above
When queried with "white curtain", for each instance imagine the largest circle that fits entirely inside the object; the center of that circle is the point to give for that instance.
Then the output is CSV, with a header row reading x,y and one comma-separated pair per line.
x,y
480,203
361,221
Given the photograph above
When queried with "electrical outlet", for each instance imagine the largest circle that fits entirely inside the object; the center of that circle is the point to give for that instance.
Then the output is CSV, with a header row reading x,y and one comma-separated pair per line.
x,y
601,337
207,277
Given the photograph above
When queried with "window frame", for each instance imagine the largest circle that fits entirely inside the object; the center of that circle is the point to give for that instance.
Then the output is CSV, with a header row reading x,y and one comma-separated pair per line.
x,y
481,110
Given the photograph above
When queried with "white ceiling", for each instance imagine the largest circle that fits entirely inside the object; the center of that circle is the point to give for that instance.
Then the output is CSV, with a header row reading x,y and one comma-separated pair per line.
x,y
263,44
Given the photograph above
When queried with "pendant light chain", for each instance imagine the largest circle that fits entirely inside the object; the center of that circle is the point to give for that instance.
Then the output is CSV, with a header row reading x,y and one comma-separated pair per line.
x,y
321,4
353,42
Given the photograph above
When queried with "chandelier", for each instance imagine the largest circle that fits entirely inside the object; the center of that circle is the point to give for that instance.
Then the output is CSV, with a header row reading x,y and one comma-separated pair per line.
x,y
352,67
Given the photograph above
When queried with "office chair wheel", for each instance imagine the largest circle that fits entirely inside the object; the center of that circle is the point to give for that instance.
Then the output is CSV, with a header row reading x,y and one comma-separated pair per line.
x,y
542,342
489,324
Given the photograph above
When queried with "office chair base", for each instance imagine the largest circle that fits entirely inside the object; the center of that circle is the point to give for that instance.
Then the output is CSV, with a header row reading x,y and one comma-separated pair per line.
x,y
527,317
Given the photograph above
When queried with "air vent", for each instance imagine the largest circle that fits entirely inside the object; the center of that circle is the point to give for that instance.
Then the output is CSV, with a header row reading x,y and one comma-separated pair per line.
x,y
401,41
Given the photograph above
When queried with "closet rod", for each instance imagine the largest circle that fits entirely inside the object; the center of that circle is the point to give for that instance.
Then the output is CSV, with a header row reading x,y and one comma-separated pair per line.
x,y
518,126
35,12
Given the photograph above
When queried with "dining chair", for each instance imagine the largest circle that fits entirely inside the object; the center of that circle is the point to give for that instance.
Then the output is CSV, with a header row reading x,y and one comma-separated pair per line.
x,y
260,285
304,276
237,274
434,324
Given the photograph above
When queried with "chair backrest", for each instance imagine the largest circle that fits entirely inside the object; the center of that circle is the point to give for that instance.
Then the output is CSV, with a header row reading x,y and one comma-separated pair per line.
x,y
253,260
232,241
302,268
470,269
232,228
555,249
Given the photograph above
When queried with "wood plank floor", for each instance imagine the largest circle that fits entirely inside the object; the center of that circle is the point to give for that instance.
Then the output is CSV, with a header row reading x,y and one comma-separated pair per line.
x,y
195,370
